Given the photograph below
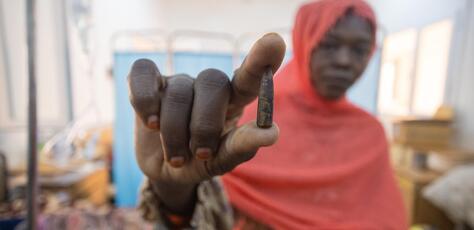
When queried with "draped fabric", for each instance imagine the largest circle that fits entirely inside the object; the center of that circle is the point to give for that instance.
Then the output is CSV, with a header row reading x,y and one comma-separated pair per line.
x,y
330,167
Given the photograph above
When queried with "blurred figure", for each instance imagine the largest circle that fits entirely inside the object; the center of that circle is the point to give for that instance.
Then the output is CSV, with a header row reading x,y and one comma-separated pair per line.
x,y
330,167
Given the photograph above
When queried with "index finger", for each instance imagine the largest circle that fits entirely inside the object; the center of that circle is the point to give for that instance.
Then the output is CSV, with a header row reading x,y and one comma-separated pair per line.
x,y
267,52
145,82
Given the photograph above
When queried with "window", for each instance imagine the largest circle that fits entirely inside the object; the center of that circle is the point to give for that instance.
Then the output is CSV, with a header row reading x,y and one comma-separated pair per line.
x,y
431,68
396,73
414,69
50,65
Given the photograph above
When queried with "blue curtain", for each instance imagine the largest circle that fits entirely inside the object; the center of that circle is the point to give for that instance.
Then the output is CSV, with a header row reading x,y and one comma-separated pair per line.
x,y
193,63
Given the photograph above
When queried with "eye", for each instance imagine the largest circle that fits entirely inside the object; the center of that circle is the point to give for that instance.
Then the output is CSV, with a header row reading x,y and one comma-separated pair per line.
x,y
329,45
361,50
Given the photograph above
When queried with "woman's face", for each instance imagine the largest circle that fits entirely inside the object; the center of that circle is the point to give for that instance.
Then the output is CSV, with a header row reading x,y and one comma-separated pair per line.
x,y
341,57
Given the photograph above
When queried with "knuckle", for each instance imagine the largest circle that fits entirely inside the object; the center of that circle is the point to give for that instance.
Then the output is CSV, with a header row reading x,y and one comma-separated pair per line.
x,y
212,78
142,101
173,143
142,86
180,90
144,66
242,87
243,157
144,105
178,97
217,168
172,128
206,129
182,80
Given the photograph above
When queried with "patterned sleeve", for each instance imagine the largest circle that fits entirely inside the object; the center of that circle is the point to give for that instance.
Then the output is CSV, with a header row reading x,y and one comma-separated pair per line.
x,y
212,210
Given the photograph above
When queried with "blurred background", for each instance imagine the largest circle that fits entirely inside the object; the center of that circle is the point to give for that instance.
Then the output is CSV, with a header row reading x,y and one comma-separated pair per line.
x,y
419,83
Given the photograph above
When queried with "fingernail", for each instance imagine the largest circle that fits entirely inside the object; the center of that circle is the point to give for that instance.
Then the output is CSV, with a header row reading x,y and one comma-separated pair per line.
x,y
203,153
177,161
153,122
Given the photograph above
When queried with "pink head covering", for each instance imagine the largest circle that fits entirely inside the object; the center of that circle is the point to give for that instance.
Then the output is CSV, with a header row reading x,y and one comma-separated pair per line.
x,y
330,168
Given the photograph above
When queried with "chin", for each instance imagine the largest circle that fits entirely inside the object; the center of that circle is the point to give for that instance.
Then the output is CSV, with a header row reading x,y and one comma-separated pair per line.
x,y
331,94
334,96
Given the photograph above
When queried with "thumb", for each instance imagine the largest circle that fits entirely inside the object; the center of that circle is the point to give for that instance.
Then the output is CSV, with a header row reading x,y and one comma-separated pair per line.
x,y
241,145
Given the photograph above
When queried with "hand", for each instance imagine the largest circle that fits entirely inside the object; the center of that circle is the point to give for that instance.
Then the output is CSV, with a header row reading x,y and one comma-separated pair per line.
x,y
186,129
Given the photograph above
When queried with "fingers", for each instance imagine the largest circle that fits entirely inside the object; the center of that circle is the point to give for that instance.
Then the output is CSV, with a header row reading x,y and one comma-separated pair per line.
x,y
193,124
241,145
144,83
267,52
148,149
212,93
174,119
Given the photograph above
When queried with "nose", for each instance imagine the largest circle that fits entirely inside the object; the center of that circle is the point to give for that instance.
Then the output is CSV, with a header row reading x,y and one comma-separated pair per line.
x,y
342,57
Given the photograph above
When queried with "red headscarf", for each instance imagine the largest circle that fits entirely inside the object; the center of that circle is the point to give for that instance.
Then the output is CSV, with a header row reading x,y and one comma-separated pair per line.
x,y
330,168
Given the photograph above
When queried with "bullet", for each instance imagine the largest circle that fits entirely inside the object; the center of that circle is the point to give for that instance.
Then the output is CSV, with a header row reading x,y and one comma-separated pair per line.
x,y
265,101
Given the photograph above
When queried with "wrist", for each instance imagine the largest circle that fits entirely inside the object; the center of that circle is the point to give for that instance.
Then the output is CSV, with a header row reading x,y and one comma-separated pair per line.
x,y
178,199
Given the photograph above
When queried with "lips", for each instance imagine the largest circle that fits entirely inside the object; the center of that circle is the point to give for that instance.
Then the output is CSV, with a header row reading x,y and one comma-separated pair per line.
x,y
338,81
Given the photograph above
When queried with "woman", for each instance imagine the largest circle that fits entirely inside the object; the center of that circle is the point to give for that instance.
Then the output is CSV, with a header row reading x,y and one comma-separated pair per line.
x,y
334,155
330,168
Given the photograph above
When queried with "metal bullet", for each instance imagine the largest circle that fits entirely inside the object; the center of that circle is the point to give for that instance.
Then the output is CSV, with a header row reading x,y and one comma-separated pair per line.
x,y
265,101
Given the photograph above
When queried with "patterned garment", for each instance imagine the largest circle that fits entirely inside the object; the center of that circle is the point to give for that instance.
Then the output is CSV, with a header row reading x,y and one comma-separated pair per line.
x,y
212,210
76,219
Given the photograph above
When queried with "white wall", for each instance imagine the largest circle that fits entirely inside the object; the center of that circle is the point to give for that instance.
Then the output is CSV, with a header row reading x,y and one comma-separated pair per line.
x,y
232,16
50,61
396,15
460,92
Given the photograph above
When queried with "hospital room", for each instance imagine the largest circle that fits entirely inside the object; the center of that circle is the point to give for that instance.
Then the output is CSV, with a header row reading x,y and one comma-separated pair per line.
x,y
237,114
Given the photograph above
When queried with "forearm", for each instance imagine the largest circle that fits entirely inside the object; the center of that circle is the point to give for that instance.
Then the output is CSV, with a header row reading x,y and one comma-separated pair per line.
x,y
177,199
